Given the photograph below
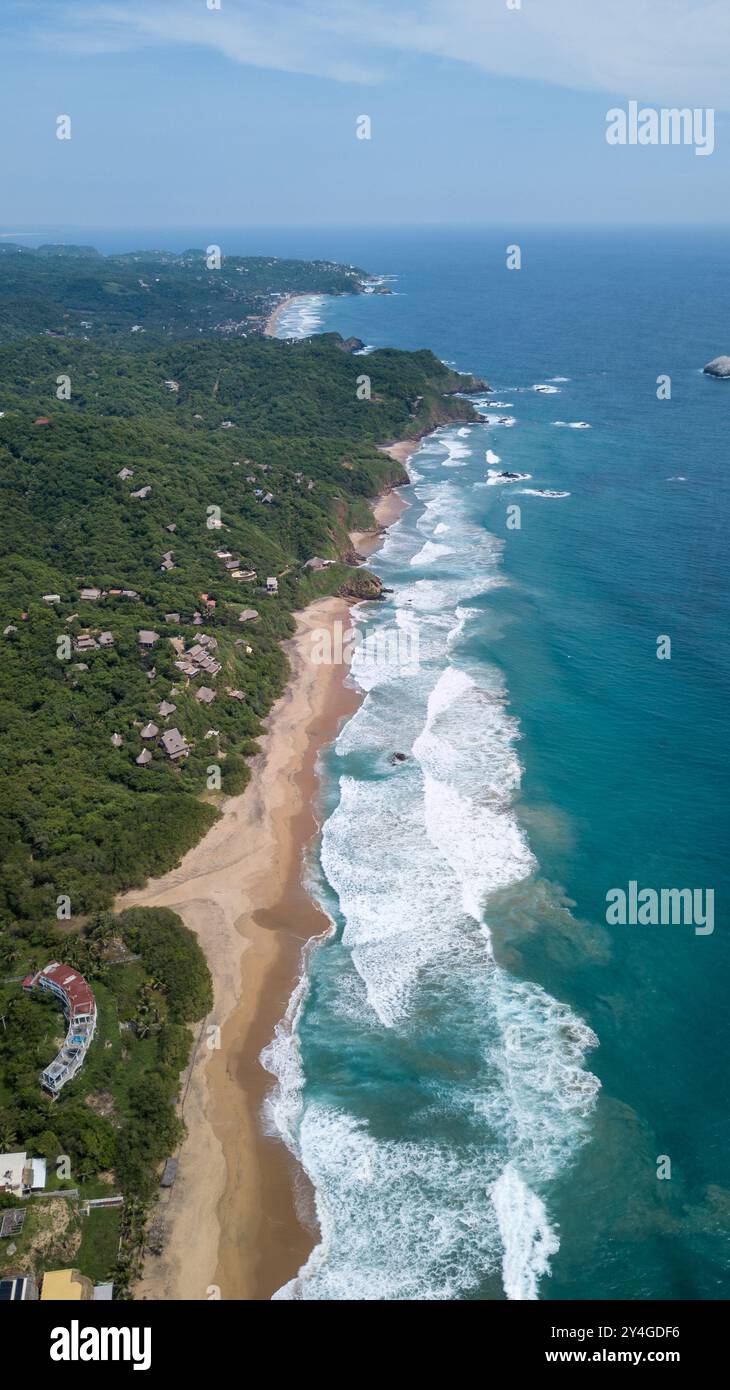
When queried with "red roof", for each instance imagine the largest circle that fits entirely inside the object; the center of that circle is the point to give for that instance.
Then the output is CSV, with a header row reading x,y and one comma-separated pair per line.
x,y
74,986
42,420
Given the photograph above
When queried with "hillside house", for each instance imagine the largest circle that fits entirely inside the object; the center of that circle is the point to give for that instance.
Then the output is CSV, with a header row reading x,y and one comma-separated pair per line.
x,y
174,744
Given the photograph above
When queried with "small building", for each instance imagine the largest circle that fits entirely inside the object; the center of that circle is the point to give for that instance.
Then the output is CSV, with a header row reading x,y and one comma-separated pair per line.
x,y
205,641
248,615
144,758
236,694
142,492
174,744
106,639
15,1174
85,643
90,595
116,740
103,1293
167,565
66,1286
272,585
42,420
172,527
166,708
51,598
147,638
39,1168
172,617
125,473
205,695
17,1288
169,1173
149,731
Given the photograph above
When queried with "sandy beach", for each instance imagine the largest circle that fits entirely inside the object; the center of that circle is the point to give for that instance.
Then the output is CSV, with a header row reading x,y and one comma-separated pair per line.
x,y
230,1225
229,1221
273,319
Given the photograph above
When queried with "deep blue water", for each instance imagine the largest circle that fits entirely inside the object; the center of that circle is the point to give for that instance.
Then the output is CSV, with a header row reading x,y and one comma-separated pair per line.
x,y
438,1088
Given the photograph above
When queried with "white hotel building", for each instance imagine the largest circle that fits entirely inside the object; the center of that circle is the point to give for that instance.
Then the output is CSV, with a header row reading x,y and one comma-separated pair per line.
x,y
80,1009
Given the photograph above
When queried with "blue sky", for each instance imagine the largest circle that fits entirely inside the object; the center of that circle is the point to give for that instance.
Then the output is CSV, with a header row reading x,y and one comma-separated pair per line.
x,y
182,115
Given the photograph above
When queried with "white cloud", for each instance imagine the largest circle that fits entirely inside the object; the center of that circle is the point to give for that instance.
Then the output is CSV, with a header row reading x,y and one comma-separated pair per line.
x,y
660,51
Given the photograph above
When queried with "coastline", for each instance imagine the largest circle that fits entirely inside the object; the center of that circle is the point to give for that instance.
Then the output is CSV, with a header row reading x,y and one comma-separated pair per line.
x,y
272,321
239,890
238,1197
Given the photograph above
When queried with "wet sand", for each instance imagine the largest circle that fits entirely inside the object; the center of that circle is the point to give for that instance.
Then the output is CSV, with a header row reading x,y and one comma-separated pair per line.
x,y
230,1221
239,1221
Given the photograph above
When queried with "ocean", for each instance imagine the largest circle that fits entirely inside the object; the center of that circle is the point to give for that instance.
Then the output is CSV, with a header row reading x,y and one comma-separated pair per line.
x,y
495,1092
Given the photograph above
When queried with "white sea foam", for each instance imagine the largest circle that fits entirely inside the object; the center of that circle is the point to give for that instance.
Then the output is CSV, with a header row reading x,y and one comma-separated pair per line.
x,y
503,421
301,318
527,1236
495,477
457,452
573,424
491,457
456,1190
429,553
546,390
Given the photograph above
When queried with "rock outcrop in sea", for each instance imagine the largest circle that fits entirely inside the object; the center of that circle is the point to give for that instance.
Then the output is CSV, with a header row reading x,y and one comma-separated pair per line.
x,y
719,366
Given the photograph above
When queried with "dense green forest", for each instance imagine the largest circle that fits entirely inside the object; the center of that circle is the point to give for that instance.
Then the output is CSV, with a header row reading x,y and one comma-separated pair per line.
x,y
263,451
160,501
75,292
115,1122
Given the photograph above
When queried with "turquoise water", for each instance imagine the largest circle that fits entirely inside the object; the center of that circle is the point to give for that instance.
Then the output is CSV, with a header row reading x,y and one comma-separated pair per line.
x,y
485,1078
482,1074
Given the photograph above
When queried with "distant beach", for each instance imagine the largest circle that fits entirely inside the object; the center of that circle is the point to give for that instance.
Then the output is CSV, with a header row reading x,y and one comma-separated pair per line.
x,y
271,326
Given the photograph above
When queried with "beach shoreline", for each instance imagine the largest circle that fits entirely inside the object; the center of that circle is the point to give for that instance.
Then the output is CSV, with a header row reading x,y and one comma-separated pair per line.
x,y
272,321
239,889
240,1200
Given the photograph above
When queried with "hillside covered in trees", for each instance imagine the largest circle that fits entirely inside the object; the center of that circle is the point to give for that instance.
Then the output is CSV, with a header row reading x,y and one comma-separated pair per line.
x,y
148,495
169,498
75,292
